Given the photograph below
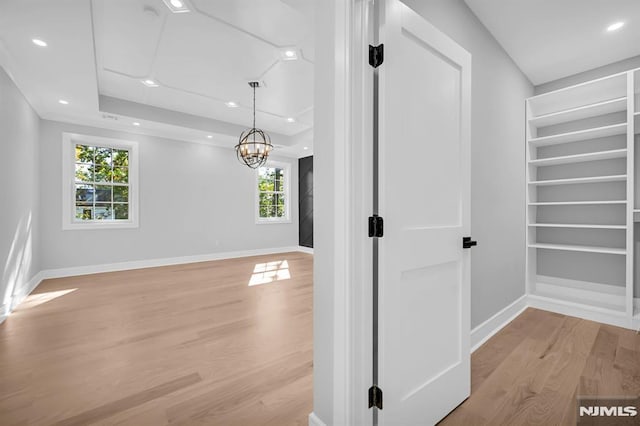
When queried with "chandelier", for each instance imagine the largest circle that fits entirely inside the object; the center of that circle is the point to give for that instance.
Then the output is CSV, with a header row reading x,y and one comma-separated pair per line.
x,y
255,145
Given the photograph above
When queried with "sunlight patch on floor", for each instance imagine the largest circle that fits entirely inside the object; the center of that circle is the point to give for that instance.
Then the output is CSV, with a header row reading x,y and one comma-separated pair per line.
x,y
40,298
265,273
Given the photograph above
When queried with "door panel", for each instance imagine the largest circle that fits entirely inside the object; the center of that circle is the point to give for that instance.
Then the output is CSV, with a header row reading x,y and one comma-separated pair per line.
x,y
424,198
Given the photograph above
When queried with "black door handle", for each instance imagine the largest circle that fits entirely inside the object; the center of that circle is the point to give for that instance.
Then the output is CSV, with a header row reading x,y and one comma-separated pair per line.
x,y
467,243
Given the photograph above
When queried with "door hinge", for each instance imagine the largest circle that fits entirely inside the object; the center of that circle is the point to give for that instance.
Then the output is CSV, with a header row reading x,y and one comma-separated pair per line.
x,y
376,55
468,243
376,226
375,397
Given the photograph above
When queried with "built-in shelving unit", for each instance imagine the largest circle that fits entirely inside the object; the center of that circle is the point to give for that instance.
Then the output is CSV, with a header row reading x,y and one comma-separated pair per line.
x,y
580,198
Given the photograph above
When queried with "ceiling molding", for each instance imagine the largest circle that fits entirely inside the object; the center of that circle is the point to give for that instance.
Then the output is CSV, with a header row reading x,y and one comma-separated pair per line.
x,y
126,108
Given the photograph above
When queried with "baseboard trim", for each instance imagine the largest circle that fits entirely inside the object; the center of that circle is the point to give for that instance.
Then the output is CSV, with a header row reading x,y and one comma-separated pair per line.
x,y
153,263
588,312
486,330
315,420
6,309
16,299
305,249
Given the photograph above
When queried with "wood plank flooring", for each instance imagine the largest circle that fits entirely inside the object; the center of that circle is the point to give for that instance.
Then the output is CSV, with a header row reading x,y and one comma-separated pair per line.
x,y
196,344
531,372
184,344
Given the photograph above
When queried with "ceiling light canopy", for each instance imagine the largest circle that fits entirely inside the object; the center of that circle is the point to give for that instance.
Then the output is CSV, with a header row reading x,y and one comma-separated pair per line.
x,y
255,144
615,26
291,120
135,123
177,6
231,104
63,102
39,42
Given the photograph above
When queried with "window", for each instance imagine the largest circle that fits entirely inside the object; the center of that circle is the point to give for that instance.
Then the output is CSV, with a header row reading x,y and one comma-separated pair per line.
x,y
100,178
273,193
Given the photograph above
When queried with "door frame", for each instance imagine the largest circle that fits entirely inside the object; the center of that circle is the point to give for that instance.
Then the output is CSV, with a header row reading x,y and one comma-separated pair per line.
x,y
342,298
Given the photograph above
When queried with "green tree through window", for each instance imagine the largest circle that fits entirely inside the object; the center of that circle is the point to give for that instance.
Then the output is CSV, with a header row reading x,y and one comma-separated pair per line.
x,y
101,183
272,197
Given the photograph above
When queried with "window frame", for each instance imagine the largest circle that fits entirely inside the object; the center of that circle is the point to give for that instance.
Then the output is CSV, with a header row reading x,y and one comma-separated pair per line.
x,y
69,222
287,194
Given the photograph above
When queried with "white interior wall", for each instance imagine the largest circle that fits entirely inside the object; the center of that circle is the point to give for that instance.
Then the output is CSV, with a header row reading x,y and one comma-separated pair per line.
x,y
195,199
19,218
497,158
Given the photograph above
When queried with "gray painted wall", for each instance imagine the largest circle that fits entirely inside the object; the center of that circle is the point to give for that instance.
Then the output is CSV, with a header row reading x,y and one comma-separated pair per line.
x,y
194,199
497,158
19,236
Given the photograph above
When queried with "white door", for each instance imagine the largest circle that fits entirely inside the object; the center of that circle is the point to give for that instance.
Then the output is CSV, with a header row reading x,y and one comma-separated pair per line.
x,y
425,89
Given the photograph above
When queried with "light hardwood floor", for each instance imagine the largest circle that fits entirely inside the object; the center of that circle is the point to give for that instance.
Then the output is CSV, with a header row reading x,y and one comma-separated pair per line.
x,y
196,344
531,372
186,344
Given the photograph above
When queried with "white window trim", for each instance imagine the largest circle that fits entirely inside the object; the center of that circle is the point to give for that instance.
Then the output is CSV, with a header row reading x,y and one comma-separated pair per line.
x,y
287,192
69,141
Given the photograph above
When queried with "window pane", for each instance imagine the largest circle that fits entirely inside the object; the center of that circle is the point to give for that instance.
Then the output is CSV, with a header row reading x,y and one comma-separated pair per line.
x,y
121,175
84,212
121,194
84,172
103,193
103,173
84,154
84,194
121,211
120,158
102,156
280,210
103,211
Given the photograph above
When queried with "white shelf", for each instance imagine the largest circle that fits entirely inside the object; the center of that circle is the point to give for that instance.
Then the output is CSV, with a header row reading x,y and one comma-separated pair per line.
x,y
586,249
580,158
600,108
576,225
588,93
595,179
581,135
577,203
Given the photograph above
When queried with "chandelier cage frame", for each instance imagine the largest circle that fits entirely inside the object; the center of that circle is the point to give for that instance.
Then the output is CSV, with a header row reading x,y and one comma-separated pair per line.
x,y
254,146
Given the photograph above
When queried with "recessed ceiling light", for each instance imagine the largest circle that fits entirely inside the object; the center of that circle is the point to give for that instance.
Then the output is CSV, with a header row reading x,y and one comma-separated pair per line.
x,y
289,53
291,120
209,137
615,26
231,104
177,6
149,83
135,123
39,42
63,102
305,148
